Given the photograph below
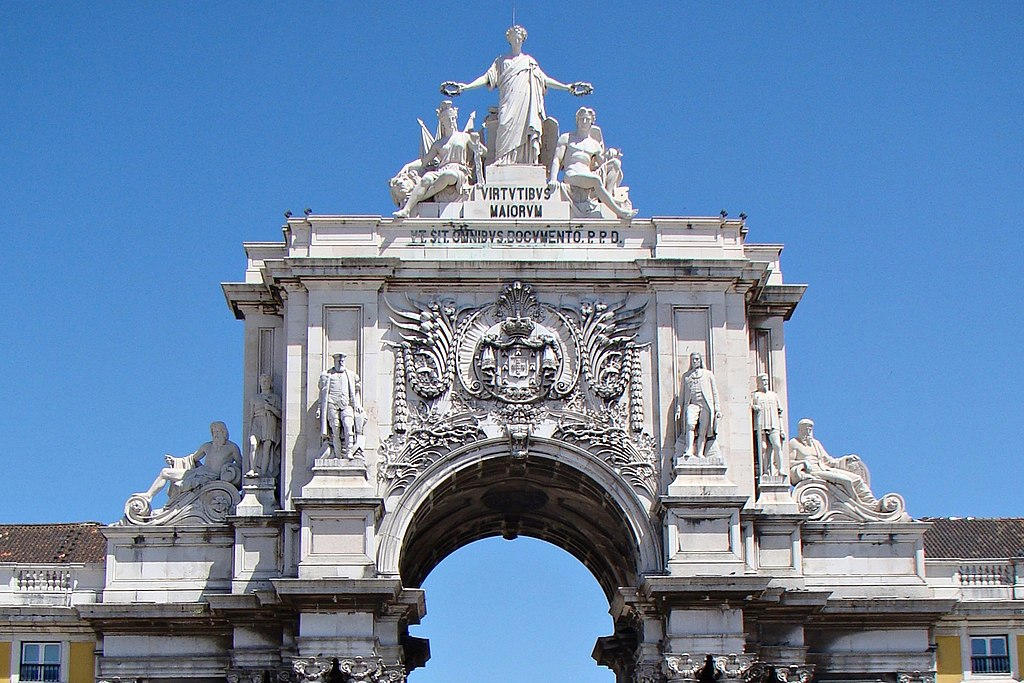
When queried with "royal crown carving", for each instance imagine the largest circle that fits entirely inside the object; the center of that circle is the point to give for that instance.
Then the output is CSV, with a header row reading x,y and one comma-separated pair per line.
x,y
518,368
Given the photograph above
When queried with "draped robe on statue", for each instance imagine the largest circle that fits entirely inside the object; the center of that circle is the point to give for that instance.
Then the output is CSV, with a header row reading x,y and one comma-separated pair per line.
x,y
521,87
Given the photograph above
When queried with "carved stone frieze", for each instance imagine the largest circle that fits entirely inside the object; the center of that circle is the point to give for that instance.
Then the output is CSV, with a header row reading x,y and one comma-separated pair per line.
x,y
518,368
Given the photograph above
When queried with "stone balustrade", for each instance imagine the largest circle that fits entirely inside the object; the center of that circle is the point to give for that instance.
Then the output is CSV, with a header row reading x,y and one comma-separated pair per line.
x,y
43,580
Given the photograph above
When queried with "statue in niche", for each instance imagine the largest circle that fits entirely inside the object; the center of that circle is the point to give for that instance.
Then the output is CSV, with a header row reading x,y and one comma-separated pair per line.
x,y
810,461
448,165
521,87
836,488
340,410
699,412
592,173
265,431
768,434
223,462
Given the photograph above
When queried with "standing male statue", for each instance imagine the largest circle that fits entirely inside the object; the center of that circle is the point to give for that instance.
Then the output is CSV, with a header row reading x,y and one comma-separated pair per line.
x,y
521,87
699,409
264,430
767,428
339,408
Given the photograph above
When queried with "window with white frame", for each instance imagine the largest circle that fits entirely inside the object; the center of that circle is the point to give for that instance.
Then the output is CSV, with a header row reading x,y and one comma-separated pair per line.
x,y
990,655
40,662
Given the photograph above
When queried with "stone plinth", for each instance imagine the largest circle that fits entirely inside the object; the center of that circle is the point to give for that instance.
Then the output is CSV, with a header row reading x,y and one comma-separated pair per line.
x,y
258,497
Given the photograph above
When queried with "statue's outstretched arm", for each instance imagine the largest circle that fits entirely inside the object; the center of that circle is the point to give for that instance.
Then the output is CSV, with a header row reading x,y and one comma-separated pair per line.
x,y
554,84
578,88
477,82
455,88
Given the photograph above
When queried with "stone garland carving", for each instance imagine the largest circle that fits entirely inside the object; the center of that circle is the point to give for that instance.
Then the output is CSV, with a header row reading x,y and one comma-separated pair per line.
x,y
836,489
202,487
510,367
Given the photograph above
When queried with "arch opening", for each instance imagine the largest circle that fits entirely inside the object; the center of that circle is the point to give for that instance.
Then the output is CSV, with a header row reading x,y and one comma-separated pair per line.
x,y
541,497
510,611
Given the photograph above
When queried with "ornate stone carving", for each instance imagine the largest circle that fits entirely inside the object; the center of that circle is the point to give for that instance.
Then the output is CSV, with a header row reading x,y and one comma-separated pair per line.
x,y
686,667
521,116
357,669
795,673
340,412
915,677
265,431
447,165
768,428
648,672
518,367
257,676
312,669
591,173
198,492
633,457
698,414
836,488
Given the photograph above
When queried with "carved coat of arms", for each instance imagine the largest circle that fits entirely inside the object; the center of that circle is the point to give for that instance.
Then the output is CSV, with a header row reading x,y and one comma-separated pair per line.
x,y
523,368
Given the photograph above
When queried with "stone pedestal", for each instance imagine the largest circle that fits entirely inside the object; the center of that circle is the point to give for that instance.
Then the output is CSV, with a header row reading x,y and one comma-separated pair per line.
x,y
773,495
338,532
258,497
701,479
338,478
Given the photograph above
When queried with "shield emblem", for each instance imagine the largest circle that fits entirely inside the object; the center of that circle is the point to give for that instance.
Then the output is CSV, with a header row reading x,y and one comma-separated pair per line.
x,y
518,365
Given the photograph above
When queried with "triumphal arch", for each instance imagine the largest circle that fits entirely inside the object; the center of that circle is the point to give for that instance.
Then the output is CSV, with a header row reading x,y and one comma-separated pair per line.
x,y
515,352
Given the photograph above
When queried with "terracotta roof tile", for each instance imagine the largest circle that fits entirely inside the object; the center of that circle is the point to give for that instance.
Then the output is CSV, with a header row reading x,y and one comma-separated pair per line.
x,y
72,543
968,538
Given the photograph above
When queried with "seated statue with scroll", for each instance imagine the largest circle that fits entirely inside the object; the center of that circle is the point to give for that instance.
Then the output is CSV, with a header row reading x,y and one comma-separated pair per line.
x,y
836,488
448,165
201,486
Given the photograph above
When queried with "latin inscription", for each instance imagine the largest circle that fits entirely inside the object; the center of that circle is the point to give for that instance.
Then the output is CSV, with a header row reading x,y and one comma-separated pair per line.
x,y
514,202
538,236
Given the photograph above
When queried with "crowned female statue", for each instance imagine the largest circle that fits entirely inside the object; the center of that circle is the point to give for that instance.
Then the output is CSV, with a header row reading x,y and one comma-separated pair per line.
x,y
521,87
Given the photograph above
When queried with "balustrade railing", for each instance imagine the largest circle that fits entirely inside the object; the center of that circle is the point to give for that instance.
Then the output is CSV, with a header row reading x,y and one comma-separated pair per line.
x,y
990,574
43,580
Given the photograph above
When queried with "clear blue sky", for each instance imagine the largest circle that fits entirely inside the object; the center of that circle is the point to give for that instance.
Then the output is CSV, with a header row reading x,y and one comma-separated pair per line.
x,y
141,143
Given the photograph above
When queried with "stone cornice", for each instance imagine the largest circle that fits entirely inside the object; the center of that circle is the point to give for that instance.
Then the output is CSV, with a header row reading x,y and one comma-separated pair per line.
x,y
377,595
152,618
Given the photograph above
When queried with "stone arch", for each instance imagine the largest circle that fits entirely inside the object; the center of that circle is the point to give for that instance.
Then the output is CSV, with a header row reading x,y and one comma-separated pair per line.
x,y
560,493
